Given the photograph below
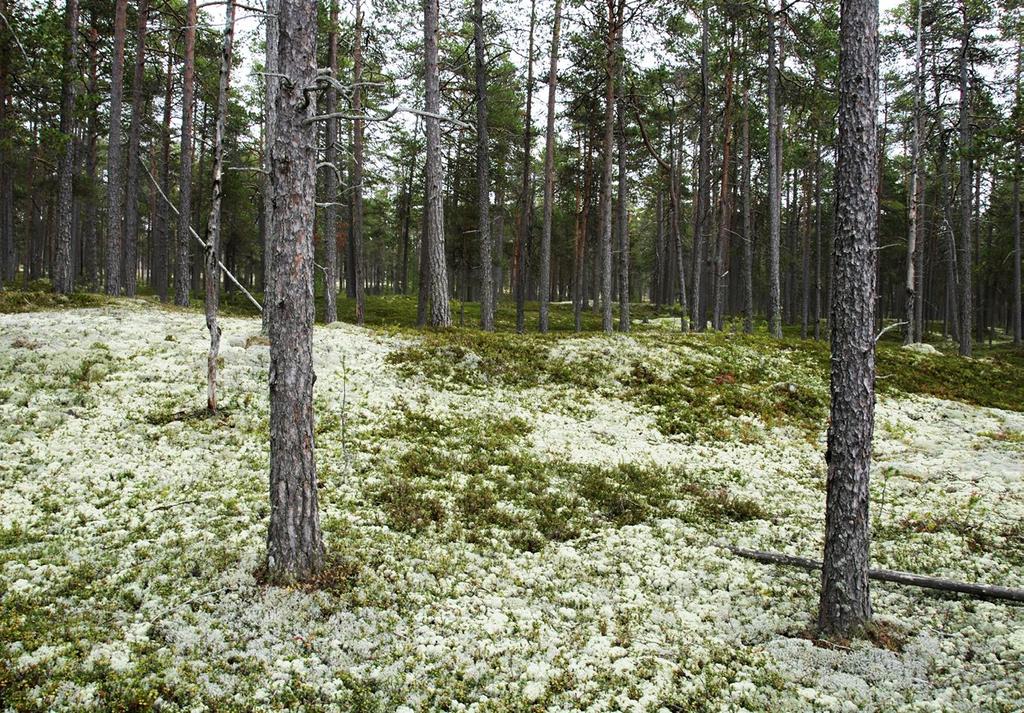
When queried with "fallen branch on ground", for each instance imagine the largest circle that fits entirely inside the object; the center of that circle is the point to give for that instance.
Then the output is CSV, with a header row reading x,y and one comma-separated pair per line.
x,y
890,575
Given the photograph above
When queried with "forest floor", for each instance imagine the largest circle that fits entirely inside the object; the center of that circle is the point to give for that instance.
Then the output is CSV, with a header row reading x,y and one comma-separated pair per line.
x,y
513,523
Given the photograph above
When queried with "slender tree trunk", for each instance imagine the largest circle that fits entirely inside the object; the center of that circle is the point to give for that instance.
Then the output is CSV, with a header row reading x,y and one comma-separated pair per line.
x,y
748,233
483,172
294,543
90,236
8,259
213,224
817,241
703,182
403,274
607,155
549,174
966,210
63,276
270,119
182,274
357,170
724,198
131,200
440,310
845,606
161,231
522,252
623,197
1017,169
914,192
115,160
331,178
583,227
774,189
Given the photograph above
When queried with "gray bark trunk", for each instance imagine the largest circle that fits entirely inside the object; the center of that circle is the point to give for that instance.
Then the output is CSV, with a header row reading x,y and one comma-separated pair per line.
x,y
845,605
607,156
748,236
914,191
440,310
623,198
549,174
774,187
63,276
703,183
331,179
161,231
720,283
115,160
269,120
521,250
357,171
483,173
131,201
213,225
182,275
294,543
966,210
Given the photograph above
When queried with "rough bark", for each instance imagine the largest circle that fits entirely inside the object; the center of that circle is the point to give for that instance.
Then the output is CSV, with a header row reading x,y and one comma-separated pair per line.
x,y
131,200
90,235
440,310
549,174
483,170
182,275
213,224
63,275
331,178
845,605
1017,170
294,543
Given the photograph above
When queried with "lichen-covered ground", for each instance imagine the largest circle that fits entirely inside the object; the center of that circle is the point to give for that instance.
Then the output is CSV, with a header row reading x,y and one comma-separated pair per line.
x,y
513,524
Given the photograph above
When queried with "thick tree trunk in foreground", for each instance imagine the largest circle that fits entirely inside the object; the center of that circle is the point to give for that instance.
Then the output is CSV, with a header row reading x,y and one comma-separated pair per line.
x,y
331,178
483,172
845,605
549,174
115,161
63,275
294,544
213,225
440,310
182,276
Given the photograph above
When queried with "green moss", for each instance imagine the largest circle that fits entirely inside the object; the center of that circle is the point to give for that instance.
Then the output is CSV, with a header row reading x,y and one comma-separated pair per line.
x,y
40,297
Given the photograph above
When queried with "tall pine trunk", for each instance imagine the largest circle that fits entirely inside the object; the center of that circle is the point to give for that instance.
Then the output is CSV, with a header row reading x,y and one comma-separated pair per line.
x,y
182,275
359,278
269,120
115,157
748,235
331,178
521,249
549,174
774,185
131,201
161,231
63,275
623,198
845,605
295,550
720,283
440,310
966,210
483,173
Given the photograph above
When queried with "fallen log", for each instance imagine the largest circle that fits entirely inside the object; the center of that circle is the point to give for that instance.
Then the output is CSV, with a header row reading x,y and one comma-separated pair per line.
x,y
890,575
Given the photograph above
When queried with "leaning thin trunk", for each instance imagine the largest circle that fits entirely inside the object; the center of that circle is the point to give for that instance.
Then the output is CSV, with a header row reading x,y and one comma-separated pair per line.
x,y
213,225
